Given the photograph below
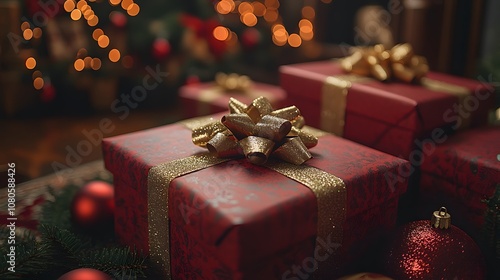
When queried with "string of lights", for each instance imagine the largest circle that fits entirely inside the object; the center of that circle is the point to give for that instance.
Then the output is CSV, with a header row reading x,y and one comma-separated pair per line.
x,y
268,10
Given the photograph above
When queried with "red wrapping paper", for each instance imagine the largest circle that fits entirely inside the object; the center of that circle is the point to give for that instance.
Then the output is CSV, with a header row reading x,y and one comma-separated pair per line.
x,y
194,104
462,174
243,220
385,116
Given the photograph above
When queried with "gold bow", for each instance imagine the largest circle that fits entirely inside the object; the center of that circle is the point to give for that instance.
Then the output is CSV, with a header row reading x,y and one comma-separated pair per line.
x,y
399,62
257,131
233,82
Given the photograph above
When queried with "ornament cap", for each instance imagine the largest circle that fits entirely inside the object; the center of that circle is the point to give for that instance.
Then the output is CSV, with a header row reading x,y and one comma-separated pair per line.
x,y
441,219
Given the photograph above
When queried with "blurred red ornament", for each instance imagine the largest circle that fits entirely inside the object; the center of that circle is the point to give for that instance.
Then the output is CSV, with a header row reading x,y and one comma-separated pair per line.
x,y
434,250
250,38
48,93
118,19
161,49
85,274
204,29
93,205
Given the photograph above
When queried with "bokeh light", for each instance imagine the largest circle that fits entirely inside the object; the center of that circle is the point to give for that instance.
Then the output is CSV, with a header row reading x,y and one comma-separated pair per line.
x,y
38,83
93,20
133,10
114,55
308,12
95,64
30,63
69,5
249,19
221,33
76,14
271,15
37,32
103,41
97,33
25,25
27,34
224,7
294,40
79,64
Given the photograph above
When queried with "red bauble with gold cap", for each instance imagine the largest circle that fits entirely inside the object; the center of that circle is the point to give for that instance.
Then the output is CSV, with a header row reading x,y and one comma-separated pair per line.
x,y
434,250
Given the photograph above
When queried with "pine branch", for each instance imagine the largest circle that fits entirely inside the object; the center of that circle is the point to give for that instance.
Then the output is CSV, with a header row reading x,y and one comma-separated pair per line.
x,y
63,243
122,263
57,212
31,258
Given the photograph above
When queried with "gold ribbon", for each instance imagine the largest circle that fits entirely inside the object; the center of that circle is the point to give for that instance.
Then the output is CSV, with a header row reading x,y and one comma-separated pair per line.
x,y
224,84
367,63
257,131
330,192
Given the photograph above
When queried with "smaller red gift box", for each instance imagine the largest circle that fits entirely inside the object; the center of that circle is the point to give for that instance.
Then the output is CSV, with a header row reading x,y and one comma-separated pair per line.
x,y
236,220
389,117
208,98
463,174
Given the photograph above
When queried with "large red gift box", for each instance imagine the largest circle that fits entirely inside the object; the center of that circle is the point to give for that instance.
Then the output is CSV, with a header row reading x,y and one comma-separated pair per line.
x,y
208,98
463,174
236,220
389,117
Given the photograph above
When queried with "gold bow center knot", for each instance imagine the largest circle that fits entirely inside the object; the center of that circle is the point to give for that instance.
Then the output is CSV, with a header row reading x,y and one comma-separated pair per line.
x,y
233,82
399,63
257,131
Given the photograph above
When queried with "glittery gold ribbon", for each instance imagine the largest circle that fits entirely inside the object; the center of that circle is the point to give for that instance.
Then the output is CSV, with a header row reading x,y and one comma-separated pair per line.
x,y
368,63
330,192
257,131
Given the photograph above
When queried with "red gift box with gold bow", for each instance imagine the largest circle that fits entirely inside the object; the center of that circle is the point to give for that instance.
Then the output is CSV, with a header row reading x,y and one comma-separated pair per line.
x,y
253,194
385,99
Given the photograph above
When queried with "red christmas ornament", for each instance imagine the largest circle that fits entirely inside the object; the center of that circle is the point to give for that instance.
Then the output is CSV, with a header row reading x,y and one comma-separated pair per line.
x,y
93,206
161,48
85,274
48,93
434,250
118,19
250,38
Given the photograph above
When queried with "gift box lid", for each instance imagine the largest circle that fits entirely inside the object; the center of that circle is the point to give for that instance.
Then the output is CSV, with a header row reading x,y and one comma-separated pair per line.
x,y
469,159
245,212
409,106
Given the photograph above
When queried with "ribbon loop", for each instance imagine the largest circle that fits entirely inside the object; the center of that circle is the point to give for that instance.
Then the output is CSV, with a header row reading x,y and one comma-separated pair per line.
x,y
257,149
241,125
399,63
202,134
293,151
223,145
257,131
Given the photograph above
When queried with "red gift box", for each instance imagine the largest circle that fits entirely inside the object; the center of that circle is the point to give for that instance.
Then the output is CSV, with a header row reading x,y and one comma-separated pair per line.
x,y
463,174
389,117
236,220
208,98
